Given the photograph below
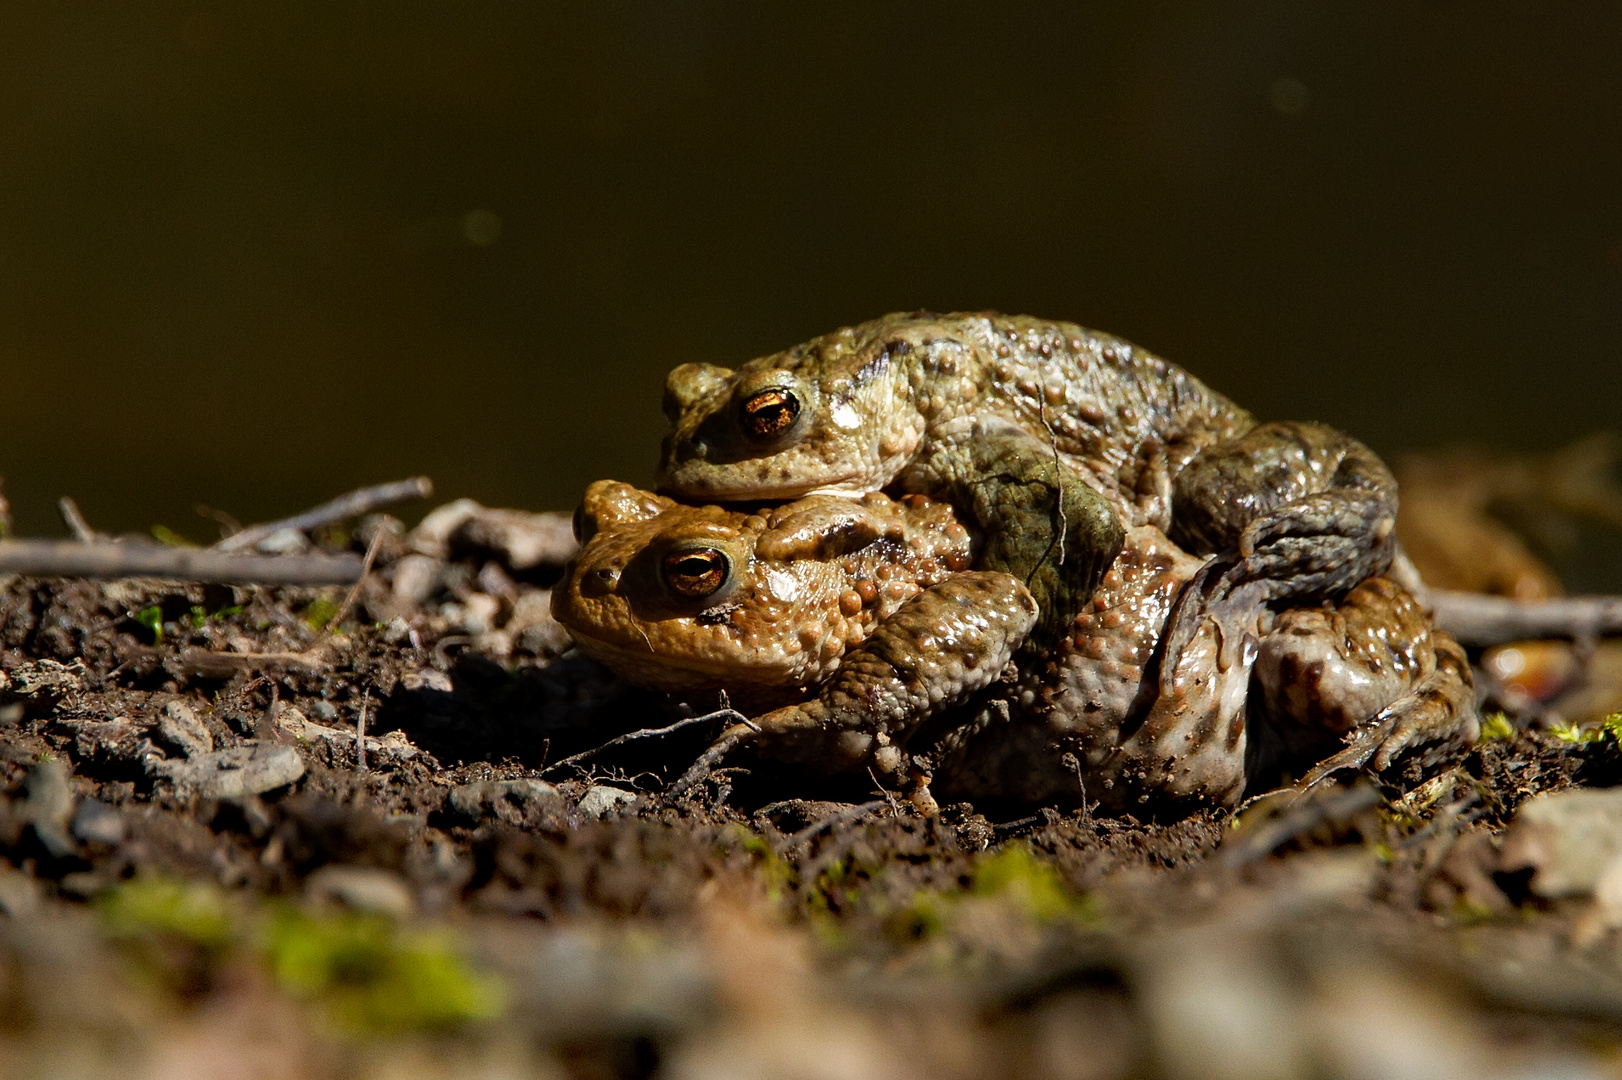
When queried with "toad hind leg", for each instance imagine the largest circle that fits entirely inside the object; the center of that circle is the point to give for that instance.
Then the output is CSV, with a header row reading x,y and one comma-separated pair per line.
x,y
1437,714
1291,511
938,648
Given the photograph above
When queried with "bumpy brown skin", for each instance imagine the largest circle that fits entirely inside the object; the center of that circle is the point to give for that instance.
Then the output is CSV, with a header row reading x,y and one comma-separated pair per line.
x,y
1090,718
805,583
1372,669
1093,721
1054,439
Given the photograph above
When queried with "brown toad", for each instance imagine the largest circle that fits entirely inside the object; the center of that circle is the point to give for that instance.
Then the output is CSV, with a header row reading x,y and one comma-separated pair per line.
x,y
761,604
1053,440
912,677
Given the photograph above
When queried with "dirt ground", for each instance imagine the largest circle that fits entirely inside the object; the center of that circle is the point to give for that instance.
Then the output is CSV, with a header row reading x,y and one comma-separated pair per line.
x,y
201,876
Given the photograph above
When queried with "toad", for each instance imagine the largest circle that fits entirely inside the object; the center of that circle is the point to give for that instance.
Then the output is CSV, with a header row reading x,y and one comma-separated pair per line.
x,y
760,604
856,619
1054,440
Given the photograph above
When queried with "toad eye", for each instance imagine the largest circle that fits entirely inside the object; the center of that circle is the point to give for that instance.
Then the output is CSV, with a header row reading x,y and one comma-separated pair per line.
x,y
695,573
770,413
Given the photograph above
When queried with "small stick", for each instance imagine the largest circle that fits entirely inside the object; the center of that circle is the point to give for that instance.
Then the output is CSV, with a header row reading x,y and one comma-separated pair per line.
x,y
701,769
354,590
222,665
645,733
360,501
895,811
269,724
1297,820
64,558
1480,619
849,814
74,520
229,524
360,730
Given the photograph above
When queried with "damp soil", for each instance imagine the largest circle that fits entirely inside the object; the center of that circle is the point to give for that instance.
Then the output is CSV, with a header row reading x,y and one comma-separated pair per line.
x,y
452,899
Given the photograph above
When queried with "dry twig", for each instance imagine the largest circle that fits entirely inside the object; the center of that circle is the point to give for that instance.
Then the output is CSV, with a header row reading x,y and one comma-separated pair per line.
x,y
851,813
354,590
62,558
645,733
360,731
1480,619
74,520
1296,820
208,664
360,501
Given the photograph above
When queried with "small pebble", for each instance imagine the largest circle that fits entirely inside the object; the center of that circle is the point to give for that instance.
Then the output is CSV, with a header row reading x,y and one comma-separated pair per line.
x,y
284,542
602,801
362,888
48,805
97,823
1569,838
180,728
240,771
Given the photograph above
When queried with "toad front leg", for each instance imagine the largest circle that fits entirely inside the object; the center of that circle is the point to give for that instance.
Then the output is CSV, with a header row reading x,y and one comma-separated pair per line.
x,y
1040,519
1290,511
937,649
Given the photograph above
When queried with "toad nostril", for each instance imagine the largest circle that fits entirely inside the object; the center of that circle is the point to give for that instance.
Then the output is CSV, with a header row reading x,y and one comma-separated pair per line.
x,y
608,575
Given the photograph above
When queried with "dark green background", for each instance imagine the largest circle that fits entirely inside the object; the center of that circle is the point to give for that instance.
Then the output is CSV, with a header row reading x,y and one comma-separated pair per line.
x,y
236,265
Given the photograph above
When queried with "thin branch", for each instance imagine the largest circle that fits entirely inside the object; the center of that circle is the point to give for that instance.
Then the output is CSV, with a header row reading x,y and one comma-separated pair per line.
x,y
645,733
74,520
63,558
1297,820
226,522
354,590
360,727
895,811
210,664
360,501
1479,619
833,821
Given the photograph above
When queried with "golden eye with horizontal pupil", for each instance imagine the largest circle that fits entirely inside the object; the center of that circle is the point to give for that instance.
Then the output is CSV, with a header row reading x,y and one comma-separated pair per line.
x,y
770,413
695,574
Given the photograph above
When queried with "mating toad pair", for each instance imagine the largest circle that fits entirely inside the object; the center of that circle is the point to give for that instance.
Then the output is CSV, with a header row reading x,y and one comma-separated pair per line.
x,y
1092,578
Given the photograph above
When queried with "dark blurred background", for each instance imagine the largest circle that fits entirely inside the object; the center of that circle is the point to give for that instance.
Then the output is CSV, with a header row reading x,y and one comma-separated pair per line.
x,y
252,255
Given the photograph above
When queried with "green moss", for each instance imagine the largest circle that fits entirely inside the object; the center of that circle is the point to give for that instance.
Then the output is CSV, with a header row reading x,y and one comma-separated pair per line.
x,y
1467,912
776,873
1016,874
1495,726
152,619
1608,728
168,537
370,975
151,906
200,616
364,973
923,917
1013,876
320,612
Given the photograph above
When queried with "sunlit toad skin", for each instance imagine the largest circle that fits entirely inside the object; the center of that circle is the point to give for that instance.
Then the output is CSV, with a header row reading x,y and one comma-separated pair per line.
x,y
1365,680
1372,670
997,413
682,598
1088,719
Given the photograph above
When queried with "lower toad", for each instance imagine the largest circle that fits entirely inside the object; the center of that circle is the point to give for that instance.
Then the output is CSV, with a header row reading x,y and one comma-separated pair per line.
x,y
860,623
